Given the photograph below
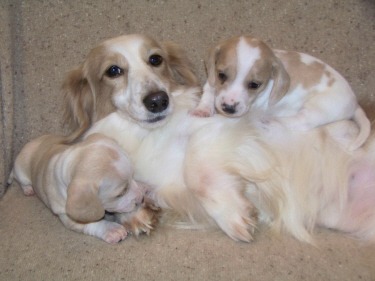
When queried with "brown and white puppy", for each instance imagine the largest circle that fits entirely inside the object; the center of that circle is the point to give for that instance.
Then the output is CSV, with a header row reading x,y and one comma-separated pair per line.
x,y
78,183
302,91
132,89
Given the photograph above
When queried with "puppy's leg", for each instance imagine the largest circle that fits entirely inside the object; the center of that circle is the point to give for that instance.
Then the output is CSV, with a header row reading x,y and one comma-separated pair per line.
x,y
220,194
323,107
344,132
110,232
28,190
206,106
307,119
22,179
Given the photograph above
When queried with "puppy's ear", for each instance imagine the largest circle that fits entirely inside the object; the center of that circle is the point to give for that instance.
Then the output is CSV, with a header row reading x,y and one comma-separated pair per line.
x,y
281,82
180,65
78,103
83,204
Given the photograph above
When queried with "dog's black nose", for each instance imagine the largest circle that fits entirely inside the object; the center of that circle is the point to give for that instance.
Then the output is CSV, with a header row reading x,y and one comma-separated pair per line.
x,y
156,102
230,109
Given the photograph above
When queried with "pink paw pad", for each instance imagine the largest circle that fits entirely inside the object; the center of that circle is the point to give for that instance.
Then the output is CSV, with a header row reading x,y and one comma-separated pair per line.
x,y
28,190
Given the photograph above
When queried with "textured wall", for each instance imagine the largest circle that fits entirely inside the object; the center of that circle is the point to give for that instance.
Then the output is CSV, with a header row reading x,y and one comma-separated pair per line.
x,y
42,40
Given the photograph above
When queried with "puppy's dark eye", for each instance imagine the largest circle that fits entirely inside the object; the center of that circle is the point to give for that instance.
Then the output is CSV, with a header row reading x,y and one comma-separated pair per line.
x,y
114,71
155,60
254,85
222,77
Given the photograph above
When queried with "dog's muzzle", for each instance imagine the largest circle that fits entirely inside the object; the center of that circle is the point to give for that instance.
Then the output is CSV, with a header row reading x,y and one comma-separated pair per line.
x,y
229,108
156,102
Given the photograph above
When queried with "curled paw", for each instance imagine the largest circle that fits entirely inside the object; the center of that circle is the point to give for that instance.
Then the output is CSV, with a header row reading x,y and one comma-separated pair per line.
x,y
201,112
115,233
142,220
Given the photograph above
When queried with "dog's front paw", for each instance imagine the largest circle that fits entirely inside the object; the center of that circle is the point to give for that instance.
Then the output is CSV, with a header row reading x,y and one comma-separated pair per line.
x,y
28,190
143,220
240,227
114,233
201,112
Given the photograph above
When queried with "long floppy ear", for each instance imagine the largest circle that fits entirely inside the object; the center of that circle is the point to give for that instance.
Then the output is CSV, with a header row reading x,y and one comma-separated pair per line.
x,y
78,103
83,204
281,82
180,65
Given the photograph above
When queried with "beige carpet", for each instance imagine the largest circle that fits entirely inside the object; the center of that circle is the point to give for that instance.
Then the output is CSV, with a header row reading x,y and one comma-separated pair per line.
x,y
41,40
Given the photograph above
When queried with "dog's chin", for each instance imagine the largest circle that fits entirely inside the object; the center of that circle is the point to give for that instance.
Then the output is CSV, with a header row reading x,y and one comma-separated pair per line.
x,y
154,122
234,115
155,119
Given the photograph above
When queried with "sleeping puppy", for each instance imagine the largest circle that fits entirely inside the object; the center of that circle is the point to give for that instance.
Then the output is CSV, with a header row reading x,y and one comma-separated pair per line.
x,y
300,90
79,183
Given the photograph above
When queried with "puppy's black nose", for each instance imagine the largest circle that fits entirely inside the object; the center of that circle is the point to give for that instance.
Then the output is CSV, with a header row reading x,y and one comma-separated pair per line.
x,y
230,109
156,102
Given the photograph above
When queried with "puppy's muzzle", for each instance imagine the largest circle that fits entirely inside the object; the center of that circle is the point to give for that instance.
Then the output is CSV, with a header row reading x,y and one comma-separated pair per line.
x,y
156,102
229,109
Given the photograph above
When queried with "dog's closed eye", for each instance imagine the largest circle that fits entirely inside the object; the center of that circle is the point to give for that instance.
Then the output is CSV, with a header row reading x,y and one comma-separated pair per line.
x,y
114,71
122,193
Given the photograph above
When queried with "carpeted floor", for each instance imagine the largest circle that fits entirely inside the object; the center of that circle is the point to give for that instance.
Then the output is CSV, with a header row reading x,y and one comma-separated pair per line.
x,y
42,40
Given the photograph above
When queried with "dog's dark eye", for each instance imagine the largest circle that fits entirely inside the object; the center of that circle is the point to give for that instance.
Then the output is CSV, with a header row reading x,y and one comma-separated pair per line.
x,y
254,85
114,71
222,77
155,60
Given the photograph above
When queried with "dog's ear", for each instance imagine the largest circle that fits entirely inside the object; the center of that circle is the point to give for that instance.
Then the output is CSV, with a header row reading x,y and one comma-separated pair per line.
x,y
281,82
78,103
180,65
83,204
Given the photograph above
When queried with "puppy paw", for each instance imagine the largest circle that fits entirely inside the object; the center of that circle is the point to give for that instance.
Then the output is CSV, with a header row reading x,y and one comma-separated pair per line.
x,y
143,220
201,112
28,190
114,233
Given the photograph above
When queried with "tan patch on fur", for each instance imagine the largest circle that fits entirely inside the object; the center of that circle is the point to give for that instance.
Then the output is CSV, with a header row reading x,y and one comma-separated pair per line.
x,y
99,60
225,60
308,75
261,71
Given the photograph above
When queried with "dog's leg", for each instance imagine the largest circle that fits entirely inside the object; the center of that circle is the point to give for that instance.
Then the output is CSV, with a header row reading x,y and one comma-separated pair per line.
x,y
344,132
322,108
359,213
206,106
28,190
110,232
220,194
307,119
